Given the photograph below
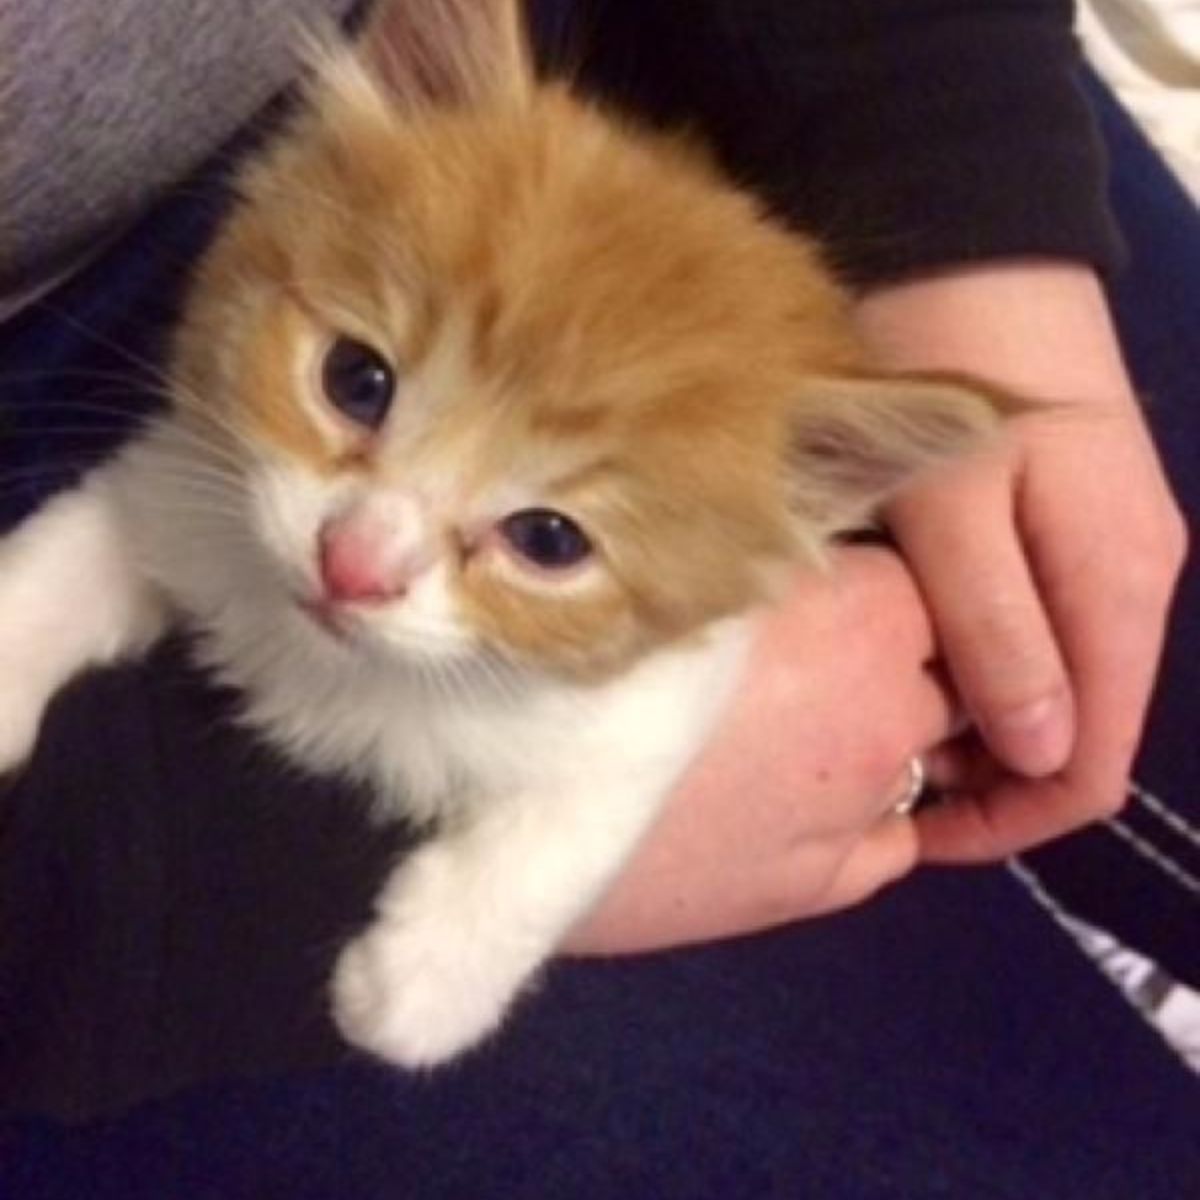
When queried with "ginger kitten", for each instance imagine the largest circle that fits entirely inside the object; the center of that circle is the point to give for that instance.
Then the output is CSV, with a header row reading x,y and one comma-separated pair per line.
x,y
495,418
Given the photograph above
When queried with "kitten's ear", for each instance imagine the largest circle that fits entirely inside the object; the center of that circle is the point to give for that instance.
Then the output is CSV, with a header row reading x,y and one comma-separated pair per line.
x,y
855,441
455,53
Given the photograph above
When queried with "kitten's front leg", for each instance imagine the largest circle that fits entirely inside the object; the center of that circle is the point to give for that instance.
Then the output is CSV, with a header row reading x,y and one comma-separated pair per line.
x,y
69,598
465,922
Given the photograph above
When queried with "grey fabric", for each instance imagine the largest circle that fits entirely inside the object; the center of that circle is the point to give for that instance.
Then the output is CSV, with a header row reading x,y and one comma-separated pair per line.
x,y
105,102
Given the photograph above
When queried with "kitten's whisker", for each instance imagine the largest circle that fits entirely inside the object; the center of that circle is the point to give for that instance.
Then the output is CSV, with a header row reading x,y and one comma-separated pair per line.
x,y
151,379
194,406
202,461
234,462
500,674
32,417
65,474
9,491
200,456
130,420
221,524
73,431
34,470
68,375
204,497
196,477
155,371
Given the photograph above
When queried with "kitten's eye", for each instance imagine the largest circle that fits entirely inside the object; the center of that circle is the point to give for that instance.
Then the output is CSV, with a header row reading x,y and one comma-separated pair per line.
x,y
358,382
546,538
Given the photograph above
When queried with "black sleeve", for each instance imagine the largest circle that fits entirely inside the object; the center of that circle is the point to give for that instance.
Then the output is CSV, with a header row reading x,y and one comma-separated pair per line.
x,y
908,134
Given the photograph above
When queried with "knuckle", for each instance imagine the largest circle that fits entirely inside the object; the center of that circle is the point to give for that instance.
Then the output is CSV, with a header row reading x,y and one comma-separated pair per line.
x,y
1005,627
1111,798
1148,576
1097,800
1156,558
1107,802
1176,539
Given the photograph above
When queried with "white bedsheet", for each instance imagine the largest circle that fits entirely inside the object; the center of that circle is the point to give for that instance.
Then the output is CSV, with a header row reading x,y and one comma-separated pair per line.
x,y
1149,53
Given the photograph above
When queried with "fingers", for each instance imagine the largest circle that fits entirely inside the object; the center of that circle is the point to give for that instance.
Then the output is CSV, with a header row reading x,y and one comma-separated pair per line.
x,y
962,765
990,813
1109,604
960,537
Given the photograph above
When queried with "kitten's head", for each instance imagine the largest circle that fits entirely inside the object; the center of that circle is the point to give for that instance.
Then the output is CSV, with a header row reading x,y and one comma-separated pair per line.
x,y
512,377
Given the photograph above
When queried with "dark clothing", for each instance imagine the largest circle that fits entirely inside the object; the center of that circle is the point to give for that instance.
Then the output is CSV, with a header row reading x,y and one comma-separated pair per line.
x,y
171,898
945,1043
907,133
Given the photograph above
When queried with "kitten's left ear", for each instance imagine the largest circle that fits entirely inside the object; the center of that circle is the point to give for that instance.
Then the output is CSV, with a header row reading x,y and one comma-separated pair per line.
x,y
457,53
855,441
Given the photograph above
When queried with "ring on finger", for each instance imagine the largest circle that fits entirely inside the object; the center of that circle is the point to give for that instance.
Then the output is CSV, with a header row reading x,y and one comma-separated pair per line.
x,y
914,788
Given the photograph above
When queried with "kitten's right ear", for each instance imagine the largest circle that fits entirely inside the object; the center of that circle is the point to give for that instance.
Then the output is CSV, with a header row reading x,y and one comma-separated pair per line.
x,y
449,53
856,440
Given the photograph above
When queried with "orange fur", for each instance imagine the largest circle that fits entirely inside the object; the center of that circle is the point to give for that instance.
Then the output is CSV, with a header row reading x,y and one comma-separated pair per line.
x,y
578,308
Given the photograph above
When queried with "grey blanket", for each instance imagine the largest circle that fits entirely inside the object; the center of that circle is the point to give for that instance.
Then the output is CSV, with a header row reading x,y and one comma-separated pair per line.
x,y
103,103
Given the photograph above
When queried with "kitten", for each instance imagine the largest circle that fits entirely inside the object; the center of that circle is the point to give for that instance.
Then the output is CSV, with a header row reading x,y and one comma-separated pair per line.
x,y
495,419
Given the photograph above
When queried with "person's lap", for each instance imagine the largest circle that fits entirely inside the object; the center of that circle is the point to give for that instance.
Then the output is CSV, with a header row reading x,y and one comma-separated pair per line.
x,y
944,1038
944,1042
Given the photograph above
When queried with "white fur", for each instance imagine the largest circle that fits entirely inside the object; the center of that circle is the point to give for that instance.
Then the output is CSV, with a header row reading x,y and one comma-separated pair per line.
x,y
538,788
69,599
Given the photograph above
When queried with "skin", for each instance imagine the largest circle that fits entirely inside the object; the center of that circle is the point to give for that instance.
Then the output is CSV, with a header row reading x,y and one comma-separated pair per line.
x,y
1044,588
734,850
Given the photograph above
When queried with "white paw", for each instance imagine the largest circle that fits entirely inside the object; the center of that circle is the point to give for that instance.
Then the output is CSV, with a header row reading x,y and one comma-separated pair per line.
x,y
20,718
416,995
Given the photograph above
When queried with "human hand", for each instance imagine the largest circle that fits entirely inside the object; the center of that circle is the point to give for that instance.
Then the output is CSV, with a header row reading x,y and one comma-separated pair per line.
x,y
788,812
1048,564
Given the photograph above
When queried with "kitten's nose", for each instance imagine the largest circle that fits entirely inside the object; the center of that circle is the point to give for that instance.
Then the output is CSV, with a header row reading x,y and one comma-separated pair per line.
x,y
356,566
372,550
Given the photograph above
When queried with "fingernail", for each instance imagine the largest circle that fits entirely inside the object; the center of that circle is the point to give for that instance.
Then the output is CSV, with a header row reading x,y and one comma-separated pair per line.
x,y
1036,740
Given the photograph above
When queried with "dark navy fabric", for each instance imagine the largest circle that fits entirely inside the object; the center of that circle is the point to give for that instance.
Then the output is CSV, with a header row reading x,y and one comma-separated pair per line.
x,y
170,899
946,1042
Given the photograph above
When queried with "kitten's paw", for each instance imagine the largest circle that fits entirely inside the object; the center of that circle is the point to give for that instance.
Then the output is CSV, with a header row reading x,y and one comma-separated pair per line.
x,y
409,995
20,720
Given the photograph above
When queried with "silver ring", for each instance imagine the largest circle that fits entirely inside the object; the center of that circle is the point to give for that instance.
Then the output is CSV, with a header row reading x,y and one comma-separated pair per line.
x,y
916,785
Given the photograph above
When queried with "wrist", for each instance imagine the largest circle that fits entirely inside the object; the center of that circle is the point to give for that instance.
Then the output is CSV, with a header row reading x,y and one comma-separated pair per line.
x,y
1041,328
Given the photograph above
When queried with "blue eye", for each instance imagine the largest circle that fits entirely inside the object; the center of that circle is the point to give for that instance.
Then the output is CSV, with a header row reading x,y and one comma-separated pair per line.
x,y
546,538
358,382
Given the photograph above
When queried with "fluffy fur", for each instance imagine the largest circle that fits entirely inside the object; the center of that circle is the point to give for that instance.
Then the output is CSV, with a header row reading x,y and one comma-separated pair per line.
x,y
582,316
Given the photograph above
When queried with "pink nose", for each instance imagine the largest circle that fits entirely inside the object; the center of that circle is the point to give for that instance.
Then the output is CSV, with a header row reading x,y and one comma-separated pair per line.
x,y
354,567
